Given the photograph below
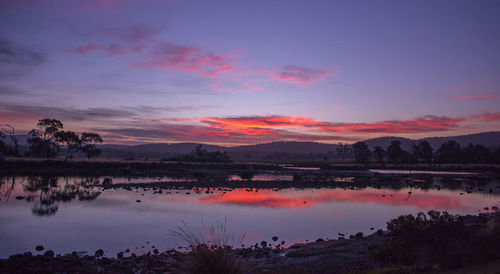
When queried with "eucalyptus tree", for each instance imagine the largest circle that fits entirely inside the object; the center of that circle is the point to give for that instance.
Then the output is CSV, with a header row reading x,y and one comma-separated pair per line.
x,y
361,152
69,139
379,154
88,143
43,139
11,132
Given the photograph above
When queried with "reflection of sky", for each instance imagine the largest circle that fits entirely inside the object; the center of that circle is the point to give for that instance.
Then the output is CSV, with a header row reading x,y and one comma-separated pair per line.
x,y
114,221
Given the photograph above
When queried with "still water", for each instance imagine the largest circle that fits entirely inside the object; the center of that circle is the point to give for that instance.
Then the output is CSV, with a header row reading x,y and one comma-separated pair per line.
x,y
68,214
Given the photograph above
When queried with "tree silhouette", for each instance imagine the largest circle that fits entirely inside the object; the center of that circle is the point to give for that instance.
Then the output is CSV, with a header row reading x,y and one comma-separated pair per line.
x,y
3,148
43,141
89,143
361,152
70,140
449,152
394,152
11,132
423,151
379,154
477,154
343,150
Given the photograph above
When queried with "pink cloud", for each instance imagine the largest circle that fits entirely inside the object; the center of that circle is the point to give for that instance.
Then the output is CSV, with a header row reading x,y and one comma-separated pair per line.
x,y
134,34
483,96
487,117
427,123
191,59
85,49
300,76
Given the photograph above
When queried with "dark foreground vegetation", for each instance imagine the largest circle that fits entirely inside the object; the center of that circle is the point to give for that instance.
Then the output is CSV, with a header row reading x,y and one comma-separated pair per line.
x,y
436,241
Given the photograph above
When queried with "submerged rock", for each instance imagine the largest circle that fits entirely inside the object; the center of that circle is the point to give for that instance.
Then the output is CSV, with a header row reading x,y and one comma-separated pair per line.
x,y
99,253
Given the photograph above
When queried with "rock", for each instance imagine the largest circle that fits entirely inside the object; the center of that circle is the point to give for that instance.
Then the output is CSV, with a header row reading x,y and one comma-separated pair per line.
x,y
156,251
319,240
119,255
494,208
358,235
275,238
127,250
99,253
371,228
39,248
137,201
19,197
107,181
49,253
27,254
486,208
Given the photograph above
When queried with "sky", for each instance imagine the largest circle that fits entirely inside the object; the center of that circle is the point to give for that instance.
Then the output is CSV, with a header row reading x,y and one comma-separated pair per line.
x,y
248,72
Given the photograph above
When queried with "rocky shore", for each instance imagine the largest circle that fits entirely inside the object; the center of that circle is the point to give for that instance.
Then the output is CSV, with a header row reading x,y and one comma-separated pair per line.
x,y
352,254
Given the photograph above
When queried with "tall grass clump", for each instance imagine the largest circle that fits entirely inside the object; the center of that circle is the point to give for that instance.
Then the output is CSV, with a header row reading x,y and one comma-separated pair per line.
x,y
210,249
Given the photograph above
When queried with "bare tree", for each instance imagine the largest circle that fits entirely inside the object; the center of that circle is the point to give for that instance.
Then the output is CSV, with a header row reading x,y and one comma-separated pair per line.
x,y
11,132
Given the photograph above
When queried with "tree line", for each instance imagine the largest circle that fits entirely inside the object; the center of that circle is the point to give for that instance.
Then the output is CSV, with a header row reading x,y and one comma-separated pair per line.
x,y
47,139
449,152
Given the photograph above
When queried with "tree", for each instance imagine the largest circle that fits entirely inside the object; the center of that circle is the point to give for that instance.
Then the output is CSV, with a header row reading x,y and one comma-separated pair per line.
x,y
379,154
361,152
343,150
3,148
43,141
89,143
449,152
423,151
477,154
11,132
70,140
394,152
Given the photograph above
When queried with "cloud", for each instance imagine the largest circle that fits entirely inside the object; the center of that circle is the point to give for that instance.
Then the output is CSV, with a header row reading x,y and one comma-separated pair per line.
x,y
11,113
164,55
423,124
86,49
16,61
183,58
134,34
260,121
300,76
482,96
486,117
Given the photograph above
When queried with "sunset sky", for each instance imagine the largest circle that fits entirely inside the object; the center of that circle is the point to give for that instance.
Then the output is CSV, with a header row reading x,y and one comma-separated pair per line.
x,y
246,72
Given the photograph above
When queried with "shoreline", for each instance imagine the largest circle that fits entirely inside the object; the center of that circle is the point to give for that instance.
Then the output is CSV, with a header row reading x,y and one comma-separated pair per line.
x,y
355,254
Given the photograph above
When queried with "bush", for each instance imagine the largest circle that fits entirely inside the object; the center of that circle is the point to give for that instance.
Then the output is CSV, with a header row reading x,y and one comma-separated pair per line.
x,y
424,241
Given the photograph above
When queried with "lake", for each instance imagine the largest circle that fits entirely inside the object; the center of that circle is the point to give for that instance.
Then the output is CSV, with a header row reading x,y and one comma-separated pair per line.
x,y
68,214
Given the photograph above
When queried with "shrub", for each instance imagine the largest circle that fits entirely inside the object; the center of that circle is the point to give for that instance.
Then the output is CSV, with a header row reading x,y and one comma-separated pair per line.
x,y
435,239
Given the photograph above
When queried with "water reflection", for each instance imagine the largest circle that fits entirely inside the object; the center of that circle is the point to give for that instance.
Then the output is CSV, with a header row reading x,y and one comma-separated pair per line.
x,y
91,207
45,192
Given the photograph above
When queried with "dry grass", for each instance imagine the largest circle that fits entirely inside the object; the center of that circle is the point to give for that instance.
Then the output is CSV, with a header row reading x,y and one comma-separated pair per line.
x,y
211,249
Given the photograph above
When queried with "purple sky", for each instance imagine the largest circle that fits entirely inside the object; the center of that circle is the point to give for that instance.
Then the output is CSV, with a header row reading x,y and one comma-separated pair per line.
x,y
244,72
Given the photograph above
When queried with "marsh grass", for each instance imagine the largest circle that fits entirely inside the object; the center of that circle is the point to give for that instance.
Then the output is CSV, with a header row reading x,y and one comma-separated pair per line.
x,y
210,249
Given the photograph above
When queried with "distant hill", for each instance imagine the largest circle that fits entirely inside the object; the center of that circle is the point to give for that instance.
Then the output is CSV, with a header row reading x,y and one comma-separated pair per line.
x,y
277,150
287,147
488,139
